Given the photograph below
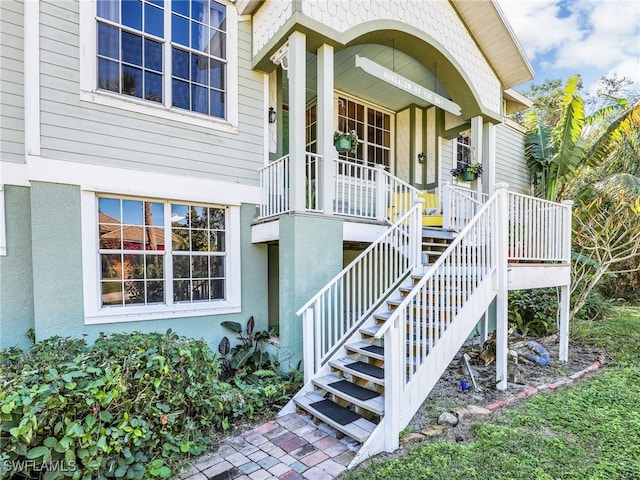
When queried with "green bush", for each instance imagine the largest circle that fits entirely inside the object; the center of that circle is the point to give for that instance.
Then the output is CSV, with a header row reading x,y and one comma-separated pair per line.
x,y
533,312
130,405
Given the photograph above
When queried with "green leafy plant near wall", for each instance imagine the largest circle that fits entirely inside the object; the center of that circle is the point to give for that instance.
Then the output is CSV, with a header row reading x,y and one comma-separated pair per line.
x,y
129,406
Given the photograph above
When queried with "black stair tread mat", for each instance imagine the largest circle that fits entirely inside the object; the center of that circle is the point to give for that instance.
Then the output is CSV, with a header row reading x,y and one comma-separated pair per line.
x,y
353,390
367,369
335,412
374,349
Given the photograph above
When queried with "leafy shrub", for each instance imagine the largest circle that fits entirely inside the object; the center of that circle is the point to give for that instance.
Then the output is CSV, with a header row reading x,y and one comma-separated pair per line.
x,y
130,405
533,312
596,306
247,356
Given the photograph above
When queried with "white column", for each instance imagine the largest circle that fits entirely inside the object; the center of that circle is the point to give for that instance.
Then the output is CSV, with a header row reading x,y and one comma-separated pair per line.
x,y
502,327
325,126
297,106
476,148
489,157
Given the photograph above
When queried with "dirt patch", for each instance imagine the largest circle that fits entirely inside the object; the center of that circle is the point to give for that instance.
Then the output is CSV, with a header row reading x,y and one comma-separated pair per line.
x,y
449,394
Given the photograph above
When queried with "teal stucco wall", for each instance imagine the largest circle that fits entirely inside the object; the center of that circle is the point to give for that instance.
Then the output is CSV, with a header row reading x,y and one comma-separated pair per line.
x,y
57,261
310,255
16,281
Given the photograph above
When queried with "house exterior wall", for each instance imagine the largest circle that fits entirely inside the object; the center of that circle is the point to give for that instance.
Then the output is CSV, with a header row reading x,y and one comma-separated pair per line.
x,y
16,270
58,289
436,19
77,129
510,166
11,82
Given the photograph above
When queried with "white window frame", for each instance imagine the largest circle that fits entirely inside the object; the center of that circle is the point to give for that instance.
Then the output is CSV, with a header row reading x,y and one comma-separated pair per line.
x,y
95,313
3,226
89,82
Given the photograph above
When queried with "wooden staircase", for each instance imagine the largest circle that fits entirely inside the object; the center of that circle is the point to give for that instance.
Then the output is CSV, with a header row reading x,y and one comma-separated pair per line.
x,y
349,395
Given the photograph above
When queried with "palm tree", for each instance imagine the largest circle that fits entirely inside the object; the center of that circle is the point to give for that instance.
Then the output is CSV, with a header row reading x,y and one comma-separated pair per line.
x,y
555,153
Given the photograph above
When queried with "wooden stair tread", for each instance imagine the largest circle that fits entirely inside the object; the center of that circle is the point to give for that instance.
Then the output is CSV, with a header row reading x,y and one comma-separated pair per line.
x,y
328,384
362,370
366,348
359,429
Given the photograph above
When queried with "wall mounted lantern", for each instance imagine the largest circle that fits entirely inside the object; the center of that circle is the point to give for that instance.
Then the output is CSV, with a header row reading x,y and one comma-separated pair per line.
x,y
272,115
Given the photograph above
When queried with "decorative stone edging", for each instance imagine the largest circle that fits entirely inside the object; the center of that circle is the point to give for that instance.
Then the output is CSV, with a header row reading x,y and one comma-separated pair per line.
x,y
533,390
453,417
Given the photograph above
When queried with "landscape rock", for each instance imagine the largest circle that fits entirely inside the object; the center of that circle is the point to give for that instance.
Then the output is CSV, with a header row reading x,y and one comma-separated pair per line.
x,y
478,411
448,418
411,437
433,431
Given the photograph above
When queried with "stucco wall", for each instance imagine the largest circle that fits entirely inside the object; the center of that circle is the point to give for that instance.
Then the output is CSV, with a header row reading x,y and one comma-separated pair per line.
x,y
55,221
16,285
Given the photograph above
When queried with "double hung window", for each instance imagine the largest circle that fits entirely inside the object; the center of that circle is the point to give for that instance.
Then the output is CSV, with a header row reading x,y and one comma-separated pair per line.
x,y
169,52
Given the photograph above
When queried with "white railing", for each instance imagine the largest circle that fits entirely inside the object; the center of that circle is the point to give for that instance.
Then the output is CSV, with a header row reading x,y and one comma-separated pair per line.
x,y
336,310
459,206
275,186
371,192
426,325
538,229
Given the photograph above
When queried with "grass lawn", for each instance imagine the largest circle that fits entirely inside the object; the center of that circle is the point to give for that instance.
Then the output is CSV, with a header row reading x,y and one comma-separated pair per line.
x,y
590,430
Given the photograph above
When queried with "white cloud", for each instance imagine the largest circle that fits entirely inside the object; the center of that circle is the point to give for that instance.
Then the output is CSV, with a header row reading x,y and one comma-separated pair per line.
x,y
590,37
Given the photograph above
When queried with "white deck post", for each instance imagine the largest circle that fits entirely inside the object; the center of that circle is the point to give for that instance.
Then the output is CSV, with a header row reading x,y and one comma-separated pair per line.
x,y
502,327
381,193
326,127
297,106
446,205
393,383
565,291
308,353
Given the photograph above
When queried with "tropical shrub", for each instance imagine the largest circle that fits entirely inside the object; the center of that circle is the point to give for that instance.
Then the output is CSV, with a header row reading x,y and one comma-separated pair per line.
x,y
130,405
534,312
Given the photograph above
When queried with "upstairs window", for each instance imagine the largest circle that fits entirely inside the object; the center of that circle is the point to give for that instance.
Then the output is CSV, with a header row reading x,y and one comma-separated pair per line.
x,y
463,151
170,52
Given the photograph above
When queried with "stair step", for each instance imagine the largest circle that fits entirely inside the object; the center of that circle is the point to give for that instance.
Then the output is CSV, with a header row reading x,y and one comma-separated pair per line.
x,y
362,397
363,370
358,429
438,233
366,348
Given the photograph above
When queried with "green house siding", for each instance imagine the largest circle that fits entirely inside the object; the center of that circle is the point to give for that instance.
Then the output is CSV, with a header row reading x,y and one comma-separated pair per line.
x,y
12,81
510,167
84,131
16,281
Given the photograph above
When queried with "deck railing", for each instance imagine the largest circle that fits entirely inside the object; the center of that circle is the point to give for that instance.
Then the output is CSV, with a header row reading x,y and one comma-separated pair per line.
x,y
275,186
336,310
538,229
371,192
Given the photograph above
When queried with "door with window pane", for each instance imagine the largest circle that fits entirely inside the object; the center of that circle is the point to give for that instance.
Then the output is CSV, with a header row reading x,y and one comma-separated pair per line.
x,y
373,127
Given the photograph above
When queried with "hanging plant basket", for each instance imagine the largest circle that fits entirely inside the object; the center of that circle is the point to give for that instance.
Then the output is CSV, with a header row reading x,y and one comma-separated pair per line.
x,y
345,141
468,176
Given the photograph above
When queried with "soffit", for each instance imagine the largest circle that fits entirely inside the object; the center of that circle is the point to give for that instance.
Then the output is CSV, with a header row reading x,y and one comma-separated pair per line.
x,y
489,27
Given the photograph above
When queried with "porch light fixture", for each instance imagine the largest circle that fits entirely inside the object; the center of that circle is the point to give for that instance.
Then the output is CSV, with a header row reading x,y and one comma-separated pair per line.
x,y
272,115
422,157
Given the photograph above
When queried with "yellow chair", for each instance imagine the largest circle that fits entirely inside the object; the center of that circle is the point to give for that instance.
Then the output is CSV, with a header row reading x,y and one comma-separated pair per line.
x,y
431,212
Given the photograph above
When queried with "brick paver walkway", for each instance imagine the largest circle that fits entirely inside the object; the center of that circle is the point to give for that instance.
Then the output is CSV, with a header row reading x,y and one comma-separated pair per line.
x,y
288,448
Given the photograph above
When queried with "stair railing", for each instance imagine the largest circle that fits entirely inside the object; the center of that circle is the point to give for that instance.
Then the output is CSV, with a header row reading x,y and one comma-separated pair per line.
x,y
425,324
459,206
339,308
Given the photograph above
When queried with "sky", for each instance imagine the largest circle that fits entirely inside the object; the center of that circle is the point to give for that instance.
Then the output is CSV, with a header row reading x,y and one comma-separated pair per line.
x,y
587,37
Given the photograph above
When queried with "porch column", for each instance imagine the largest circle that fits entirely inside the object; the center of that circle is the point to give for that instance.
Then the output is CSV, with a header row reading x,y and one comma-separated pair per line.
x,y
476,148
565,290
502,316
297,100
325,126
489,157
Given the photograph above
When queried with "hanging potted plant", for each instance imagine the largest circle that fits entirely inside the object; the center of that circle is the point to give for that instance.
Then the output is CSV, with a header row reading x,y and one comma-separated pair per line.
x,y
467,172
345,141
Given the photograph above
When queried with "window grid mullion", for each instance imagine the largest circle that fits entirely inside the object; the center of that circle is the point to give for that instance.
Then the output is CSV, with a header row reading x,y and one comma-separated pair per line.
x,y
167,61
168,254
